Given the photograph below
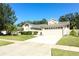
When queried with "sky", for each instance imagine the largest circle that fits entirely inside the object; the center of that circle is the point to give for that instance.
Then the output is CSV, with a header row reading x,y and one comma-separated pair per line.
x,y
38,11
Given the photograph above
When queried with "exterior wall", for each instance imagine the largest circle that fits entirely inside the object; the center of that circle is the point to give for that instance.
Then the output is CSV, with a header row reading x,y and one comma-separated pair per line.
x,y
26,28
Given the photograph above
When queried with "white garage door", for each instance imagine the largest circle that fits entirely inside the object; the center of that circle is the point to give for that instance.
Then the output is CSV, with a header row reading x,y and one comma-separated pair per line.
x,y
52,33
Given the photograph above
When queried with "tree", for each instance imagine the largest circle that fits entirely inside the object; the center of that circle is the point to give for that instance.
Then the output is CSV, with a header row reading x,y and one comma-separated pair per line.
x,y
73,18
62,18
10,27
7,17
43,21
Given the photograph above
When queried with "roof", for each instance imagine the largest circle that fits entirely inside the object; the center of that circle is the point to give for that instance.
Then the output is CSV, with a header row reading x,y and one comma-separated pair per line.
x,y
60,24
38,25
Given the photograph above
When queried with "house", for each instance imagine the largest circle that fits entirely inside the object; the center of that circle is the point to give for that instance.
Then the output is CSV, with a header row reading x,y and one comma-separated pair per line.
x,y
52,25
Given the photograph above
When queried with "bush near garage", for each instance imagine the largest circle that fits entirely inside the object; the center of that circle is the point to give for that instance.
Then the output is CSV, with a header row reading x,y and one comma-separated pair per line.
x,y
73,33
27,33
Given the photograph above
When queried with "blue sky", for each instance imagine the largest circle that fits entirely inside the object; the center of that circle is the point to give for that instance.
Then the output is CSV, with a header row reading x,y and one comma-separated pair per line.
x,y
37,11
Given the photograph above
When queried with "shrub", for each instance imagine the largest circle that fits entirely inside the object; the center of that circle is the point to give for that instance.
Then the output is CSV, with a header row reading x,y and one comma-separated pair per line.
x,y
27,33
73,33
35,33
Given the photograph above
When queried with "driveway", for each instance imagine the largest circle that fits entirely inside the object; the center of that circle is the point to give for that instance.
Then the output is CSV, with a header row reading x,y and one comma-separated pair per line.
x,y
39,46
25,49
46,39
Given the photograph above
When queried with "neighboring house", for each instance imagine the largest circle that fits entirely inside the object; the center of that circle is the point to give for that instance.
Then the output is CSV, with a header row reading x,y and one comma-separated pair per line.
x,y
51,22
52,25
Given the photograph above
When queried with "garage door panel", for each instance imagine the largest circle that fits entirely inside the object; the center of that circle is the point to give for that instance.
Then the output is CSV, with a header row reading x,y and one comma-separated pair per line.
x,y
53,32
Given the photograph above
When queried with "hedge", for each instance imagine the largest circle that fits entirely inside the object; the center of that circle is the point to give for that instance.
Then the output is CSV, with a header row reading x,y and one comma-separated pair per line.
x,y
27,33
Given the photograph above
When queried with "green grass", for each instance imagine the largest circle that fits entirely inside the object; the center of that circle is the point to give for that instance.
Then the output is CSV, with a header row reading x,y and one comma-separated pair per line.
x,y
18,37
58,52
5,43
69,41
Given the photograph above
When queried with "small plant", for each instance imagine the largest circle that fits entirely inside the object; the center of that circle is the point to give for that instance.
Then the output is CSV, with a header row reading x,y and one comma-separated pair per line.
x,y
73,33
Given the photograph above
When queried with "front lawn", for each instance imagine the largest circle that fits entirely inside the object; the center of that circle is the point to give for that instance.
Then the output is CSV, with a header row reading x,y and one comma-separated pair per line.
x,y
5,43
18,37
58,52
69,41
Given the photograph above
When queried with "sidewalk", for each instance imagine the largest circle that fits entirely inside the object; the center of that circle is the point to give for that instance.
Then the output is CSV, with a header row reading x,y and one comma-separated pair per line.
x,y
68,48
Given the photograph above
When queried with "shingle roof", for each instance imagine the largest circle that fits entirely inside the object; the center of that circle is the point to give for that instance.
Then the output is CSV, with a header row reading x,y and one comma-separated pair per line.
x,y
60,24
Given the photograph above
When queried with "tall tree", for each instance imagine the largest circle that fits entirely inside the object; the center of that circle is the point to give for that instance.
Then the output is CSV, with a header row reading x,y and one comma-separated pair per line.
x,y
62,18
73,18
7,16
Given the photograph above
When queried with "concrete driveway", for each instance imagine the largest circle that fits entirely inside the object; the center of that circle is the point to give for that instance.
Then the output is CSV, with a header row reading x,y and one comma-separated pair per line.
x,y
25,49
46,39
38,46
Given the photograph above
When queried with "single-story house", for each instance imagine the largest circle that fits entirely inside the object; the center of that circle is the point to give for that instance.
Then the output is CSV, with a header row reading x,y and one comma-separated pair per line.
x,y
47,28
